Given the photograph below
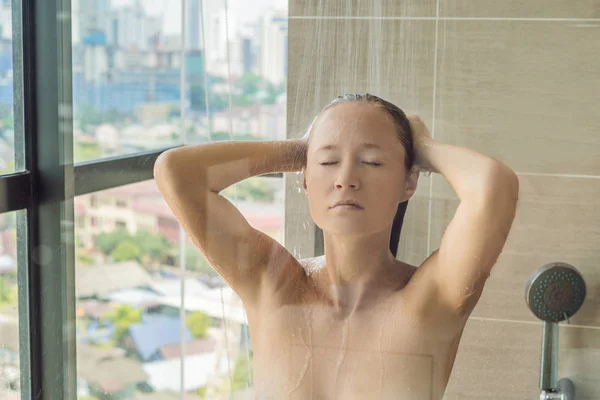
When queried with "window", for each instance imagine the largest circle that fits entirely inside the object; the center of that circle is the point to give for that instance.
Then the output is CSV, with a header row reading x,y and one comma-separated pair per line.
x,y
128,284
9,308
11,157
126,78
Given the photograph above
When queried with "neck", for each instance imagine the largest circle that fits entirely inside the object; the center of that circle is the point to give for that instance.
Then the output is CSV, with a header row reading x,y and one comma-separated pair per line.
x,y
358,268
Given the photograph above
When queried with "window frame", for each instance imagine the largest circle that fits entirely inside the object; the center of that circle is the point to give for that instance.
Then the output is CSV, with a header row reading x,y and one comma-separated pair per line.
x,y
45,190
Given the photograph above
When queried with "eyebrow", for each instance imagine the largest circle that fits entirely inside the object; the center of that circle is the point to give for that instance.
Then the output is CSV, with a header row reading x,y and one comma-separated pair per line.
x,y
364,145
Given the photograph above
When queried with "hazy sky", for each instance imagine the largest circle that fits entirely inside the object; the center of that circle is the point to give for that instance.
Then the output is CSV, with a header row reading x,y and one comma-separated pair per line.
x,y
245,10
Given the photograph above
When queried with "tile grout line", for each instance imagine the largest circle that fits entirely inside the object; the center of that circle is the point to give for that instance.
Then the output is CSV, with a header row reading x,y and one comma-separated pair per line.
x,y
516,321
558,175
299,17
430,207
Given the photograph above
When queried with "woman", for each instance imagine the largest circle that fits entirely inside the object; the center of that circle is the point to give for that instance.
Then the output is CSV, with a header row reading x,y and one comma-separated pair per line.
x,y
356,323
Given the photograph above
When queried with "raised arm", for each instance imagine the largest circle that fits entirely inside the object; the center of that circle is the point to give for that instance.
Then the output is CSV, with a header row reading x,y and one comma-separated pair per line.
x,y
488,192
190,179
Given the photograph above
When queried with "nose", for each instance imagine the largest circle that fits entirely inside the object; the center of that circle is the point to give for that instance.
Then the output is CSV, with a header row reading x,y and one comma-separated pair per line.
x,y
347,178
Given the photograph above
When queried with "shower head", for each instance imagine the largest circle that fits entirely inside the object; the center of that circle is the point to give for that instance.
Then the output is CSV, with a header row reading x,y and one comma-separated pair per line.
x,y
555,292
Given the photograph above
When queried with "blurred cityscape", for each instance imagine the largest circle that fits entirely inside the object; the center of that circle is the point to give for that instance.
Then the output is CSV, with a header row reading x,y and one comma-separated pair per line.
x,y
128,92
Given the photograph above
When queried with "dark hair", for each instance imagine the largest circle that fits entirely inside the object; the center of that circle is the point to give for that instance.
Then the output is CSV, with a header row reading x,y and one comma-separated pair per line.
x,y
404,133
401,122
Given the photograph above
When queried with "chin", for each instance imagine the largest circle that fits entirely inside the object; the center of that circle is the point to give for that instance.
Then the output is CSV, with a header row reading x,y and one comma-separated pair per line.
x,y
346,228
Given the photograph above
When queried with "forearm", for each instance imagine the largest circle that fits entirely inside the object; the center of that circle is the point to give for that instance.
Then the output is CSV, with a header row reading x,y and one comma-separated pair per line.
x,y
472,175
218,165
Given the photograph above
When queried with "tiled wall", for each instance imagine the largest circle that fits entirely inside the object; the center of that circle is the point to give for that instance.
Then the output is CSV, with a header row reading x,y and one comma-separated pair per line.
x,y
517,80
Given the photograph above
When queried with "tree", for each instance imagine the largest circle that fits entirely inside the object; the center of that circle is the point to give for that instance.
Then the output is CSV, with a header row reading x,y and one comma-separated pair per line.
x,y
251,189
122,317
87,151
198,323
195,261
146,245
253,89
8,292
126,251
241,372
198,98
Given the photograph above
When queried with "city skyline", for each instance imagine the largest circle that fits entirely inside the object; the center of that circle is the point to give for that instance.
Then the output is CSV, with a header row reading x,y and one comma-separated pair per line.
x,y
245,12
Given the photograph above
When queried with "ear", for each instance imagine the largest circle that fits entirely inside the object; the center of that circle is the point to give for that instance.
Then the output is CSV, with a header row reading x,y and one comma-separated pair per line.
x,y
304,182
410,183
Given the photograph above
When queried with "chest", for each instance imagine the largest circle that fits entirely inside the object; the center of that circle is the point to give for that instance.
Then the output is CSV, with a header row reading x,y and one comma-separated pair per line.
x,y
311,349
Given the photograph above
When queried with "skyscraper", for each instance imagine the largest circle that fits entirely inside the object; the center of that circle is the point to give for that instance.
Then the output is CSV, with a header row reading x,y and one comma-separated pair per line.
x,y
273,46
193,28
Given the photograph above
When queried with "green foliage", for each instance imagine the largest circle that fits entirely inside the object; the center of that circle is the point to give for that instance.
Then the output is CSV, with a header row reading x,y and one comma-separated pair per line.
x,y
107,242
201,392
252,89
86,116
122,317
251,190
8,292
87,151
248,89
154,246
198,98
198,323
195,261
138,246
241,373
126,251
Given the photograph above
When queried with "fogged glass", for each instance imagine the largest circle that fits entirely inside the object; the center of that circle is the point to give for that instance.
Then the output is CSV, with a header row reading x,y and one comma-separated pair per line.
x,y
9,311
129,296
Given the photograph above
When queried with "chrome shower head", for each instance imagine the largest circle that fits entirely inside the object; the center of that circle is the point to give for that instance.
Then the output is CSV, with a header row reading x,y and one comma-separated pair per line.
x,y
555,292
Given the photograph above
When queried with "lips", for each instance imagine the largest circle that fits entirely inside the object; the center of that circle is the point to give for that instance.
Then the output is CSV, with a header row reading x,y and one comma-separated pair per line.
x,y
347,203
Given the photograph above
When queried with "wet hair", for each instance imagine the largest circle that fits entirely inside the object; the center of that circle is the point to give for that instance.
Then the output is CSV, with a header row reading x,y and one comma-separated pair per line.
x,y
401,122
404,134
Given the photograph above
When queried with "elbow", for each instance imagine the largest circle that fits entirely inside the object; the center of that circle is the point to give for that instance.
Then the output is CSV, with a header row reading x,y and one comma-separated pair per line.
x,y
166,171
502,188
506,181
162,167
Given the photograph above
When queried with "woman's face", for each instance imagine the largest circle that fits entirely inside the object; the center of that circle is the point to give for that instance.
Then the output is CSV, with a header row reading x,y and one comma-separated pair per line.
x,y
354,154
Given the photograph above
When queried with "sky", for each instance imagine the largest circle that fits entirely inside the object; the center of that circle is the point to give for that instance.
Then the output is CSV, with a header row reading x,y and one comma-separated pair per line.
x,y
245,10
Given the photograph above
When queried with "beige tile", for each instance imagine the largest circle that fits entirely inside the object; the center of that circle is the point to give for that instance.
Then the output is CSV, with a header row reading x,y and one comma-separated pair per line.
x,y
412,247
520,9
362,8
392,59
389,58
500,360
579,360
506,89
557,219
299,228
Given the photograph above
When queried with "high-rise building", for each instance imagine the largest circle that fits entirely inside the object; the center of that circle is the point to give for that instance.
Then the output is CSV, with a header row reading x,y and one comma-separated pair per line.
x,y
193,29
89,17
222,35
273,46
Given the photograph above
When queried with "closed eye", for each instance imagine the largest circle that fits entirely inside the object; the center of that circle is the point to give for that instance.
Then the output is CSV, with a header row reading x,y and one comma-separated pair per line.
x,y
375,164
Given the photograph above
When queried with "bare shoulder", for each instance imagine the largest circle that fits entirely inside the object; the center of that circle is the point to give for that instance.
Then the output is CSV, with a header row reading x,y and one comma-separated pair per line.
x,y
282,283
421,287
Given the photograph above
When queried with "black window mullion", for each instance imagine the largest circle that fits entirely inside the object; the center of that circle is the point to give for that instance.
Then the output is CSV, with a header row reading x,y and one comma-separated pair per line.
x,y
49,157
